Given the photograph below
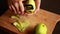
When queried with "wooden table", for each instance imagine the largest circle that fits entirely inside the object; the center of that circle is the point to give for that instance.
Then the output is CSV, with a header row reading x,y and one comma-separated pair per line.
x,y
50,19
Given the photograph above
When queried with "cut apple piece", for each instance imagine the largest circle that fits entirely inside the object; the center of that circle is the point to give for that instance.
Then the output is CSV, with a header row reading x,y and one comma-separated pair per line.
x,y
20,25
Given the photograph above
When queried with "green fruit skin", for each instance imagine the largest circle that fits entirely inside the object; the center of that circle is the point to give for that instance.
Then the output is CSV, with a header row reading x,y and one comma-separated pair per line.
x,y
41,29
21,26
16,16
33,4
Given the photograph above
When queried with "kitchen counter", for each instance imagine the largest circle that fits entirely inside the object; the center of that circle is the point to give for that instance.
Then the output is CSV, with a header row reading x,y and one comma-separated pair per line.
x,y
49,18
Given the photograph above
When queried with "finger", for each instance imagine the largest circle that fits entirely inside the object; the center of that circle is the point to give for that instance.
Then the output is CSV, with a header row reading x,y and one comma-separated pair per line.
x,y
10,8
17,7
14,9
25,13
36,10
21,7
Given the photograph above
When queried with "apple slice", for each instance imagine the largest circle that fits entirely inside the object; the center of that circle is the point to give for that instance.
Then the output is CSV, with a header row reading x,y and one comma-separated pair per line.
x,y
21,26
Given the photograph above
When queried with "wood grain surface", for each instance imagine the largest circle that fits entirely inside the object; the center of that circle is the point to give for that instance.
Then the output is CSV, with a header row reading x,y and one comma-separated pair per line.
x,y
48,18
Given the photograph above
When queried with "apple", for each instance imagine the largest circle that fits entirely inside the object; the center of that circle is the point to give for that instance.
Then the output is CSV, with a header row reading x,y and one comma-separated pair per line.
x,y
14,17
41,29
30,6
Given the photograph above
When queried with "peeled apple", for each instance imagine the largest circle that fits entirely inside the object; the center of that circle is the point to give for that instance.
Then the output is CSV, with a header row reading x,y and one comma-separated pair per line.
x,y
30,6
41,29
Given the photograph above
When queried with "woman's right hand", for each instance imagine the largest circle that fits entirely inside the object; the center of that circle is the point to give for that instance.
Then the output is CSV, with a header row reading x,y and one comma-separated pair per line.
x,y
16,6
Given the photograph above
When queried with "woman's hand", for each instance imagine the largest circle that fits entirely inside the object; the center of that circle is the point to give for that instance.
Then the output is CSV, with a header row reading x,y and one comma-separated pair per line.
x,y
37,2
16,6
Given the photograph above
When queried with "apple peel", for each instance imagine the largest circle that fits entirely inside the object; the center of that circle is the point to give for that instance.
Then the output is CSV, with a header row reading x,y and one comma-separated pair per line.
x,y
21,26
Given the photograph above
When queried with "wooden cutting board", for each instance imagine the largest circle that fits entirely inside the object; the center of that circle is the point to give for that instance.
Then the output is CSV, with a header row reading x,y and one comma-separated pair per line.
x,y
50,19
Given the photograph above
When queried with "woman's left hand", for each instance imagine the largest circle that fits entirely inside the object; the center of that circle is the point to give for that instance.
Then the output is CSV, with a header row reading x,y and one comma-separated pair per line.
x,y
37,3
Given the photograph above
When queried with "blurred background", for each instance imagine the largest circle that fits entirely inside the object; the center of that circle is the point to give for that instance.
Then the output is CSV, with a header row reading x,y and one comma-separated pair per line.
x,y
3,6
51,5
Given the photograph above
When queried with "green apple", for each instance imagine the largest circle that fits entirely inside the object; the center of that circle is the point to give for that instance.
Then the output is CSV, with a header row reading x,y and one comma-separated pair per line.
x,y
41,29
31,5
